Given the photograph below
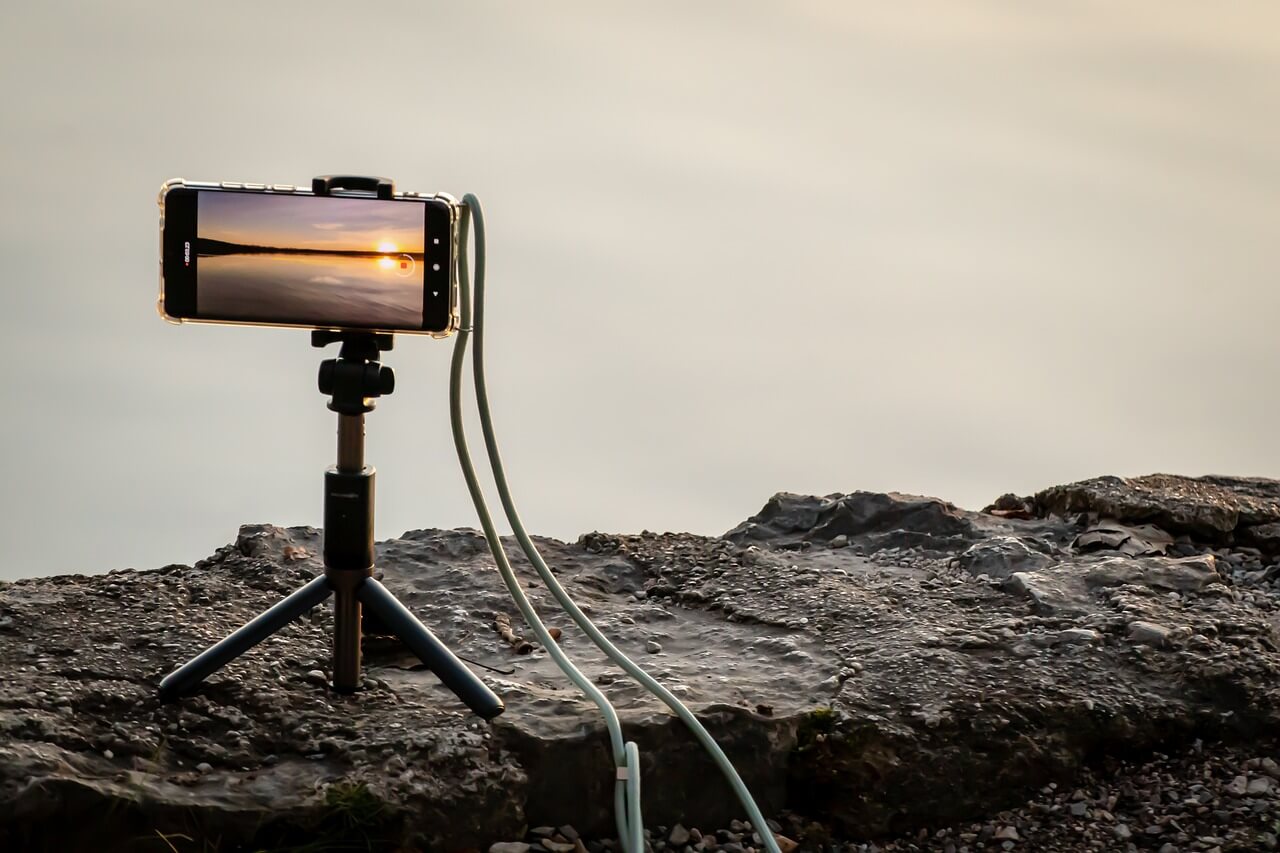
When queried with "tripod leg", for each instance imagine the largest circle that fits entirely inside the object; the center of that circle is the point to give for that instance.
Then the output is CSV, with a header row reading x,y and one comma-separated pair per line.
x,y
244,638
436,655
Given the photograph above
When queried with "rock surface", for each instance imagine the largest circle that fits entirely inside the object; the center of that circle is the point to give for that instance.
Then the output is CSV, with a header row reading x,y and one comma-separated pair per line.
x,y
1214,507
875,664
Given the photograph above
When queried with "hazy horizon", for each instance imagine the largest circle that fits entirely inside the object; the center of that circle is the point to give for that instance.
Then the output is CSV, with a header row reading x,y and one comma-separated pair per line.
x,y
954,250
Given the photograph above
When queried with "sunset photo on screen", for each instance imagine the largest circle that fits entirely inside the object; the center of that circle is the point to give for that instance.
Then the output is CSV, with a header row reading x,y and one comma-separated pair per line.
x,y
309,260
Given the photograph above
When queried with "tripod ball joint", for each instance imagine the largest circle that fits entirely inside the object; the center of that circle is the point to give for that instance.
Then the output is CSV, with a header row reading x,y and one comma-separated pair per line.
x,y
356,376
353,383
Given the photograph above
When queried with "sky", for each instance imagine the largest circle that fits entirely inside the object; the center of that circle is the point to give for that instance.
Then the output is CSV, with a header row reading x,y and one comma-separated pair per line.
x,y
955,249
296,222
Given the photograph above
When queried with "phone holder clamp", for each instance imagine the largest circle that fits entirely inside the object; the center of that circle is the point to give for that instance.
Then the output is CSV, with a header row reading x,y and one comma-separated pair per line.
x,y
326,184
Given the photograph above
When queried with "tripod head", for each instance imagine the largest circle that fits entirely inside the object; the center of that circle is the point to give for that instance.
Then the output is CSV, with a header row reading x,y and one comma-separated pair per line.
x,y
355,377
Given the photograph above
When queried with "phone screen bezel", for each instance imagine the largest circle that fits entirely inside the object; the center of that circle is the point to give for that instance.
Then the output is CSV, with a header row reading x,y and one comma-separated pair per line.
x,y
179,273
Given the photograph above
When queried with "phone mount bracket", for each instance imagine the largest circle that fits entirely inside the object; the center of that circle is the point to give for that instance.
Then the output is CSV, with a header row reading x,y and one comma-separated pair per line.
x,y
326,184
353,380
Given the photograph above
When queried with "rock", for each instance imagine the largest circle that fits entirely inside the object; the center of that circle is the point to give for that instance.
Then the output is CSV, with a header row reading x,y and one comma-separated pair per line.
x,y
653,647
1006,833
1264,537
1123,832
1189,574
783,513
885,668
1049,593
1001,557
886,520
270,542
509,847
1239,786
678,835
1079,636
1135,540
614,576
557,846
1012,506
1149,634
1200,506
1260,786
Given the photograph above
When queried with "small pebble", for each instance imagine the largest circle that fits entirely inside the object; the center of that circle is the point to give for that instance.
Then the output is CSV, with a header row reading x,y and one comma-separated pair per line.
x,y
1257,787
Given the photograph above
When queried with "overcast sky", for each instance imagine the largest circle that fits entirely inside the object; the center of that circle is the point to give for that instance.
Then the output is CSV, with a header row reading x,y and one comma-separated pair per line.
x,y
735,248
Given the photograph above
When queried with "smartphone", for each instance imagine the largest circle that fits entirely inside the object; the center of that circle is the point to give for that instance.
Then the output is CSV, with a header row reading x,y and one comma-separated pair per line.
x,y
279,255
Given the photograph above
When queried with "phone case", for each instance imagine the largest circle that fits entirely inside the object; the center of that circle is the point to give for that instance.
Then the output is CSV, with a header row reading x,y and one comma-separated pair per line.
x,y
454,218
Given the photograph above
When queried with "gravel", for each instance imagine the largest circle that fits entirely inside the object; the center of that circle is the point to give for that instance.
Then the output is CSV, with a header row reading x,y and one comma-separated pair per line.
x,y
1201,799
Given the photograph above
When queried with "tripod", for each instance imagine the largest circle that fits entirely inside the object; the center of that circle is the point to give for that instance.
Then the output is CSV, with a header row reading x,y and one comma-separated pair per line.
x,y
353,379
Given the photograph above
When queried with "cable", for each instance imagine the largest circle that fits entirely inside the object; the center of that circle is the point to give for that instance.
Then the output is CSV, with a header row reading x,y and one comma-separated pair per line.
x,y
631,757
626,794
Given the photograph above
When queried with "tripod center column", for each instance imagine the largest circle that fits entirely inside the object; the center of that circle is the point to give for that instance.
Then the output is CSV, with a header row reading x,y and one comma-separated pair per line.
x,y
350,444
348,546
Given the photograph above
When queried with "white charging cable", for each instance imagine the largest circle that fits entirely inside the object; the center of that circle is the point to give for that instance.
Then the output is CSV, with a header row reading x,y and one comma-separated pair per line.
x,y
626,756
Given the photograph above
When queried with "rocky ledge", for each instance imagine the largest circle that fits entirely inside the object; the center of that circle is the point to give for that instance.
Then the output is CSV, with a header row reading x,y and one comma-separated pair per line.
x,y
882,668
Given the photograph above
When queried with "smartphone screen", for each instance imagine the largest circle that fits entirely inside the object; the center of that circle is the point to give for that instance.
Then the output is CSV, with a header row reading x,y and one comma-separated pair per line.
x,y
296,259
